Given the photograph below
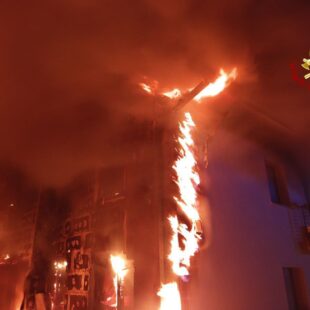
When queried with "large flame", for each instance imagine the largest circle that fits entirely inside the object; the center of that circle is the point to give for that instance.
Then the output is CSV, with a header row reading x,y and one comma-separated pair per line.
x,y
218,85
211,90
187,181
185,237
186,170
170,297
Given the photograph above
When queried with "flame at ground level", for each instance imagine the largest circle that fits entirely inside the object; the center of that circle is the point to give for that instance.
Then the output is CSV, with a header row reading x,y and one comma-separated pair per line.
x,y
170,297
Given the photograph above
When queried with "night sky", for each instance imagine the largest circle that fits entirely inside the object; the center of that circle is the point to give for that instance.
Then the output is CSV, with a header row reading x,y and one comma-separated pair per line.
x,y
69,71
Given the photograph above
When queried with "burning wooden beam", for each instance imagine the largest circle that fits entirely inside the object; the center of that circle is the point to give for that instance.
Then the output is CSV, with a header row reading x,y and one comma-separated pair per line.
x,y
189,96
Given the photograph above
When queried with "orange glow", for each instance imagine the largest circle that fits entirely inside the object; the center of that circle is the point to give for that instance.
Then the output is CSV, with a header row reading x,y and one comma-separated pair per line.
x,y
119,266
218,86
60,265
146,88
211,90
172,94
170,297
5,259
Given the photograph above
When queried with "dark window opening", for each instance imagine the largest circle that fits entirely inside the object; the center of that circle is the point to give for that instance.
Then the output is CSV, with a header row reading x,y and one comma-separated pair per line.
x,y
277,185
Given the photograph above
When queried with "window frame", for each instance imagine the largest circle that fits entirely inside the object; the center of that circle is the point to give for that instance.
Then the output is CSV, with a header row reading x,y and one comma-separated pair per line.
x,y
277,184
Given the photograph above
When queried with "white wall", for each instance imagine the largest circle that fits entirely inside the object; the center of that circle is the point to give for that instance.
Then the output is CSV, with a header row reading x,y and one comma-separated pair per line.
x,y
251,238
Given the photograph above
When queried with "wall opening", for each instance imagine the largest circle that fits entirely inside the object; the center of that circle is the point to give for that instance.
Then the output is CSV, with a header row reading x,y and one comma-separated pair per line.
x,y
296,288
277,184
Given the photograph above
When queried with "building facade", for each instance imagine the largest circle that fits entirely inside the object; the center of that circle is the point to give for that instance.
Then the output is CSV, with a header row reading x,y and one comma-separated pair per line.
x,y
255,252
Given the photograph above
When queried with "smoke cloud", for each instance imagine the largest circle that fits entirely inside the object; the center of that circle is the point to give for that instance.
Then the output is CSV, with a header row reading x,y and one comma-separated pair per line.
x,y
69,71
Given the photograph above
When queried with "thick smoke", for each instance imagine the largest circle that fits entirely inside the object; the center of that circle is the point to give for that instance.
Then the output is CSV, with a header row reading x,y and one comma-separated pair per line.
x,y
69,69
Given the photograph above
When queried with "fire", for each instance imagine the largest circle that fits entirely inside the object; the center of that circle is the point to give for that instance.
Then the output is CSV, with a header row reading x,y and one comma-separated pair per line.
x,y
211,90
172,94
146,87
60,265
5,259
180,258
186,170
186,237
187,181
218,86
170,297
119,266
